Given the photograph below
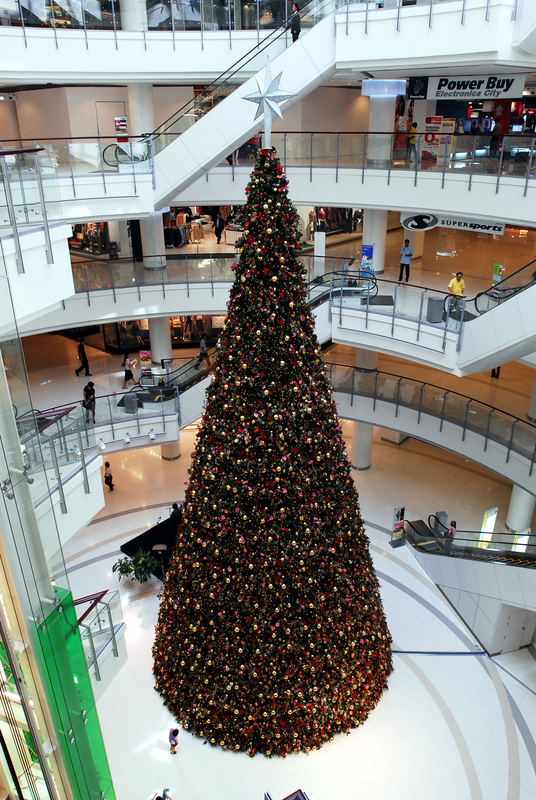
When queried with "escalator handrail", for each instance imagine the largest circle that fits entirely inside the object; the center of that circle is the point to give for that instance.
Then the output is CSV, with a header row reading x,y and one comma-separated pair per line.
x,y
227,75
498,287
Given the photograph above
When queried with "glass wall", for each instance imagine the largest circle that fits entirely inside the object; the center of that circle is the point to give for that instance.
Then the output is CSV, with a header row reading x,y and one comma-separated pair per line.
x,y
37,610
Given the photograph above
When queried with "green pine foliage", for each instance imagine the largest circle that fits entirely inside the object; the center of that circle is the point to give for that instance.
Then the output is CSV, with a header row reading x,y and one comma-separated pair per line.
x,y
271,636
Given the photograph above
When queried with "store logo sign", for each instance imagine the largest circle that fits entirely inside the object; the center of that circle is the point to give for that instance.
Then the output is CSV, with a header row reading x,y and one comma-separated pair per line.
x,y
420,222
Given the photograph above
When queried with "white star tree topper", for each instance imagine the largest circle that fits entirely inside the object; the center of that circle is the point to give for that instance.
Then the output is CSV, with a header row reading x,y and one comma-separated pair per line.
x,y
268,98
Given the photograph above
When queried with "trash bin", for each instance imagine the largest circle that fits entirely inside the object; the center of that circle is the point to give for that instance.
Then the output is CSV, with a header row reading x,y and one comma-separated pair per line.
x,y
131,403
434,310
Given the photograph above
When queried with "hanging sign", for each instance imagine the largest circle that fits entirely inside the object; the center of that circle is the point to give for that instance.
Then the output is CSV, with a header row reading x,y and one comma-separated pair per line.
x,y
367,253
474,87
475,225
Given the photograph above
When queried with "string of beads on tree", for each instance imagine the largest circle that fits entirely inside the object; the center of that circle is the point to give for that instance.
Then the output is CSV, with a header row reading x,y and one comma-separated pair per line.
x,y
271,635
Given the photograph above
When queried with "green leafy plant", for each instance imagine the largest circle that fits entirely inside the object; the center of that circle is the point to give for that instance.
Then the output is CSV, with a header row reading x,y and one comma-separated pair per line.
x,y
138,568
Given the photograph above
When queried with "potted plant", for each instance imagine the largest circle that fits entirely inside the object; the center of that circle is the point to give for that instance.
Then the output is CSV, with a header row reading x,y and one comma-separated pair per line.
x,y
139,567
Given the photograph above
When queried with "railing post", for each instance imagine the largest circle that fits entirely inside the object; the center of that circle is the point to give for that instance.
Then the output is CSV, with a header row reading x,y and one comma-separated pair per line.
x,y
115,651
398,396
443,411
364,156
444,165
367,308
89,636
514,11
391,151
420,139
471,168
54,24
352,395
102,162
12,218
512,431
487,430
398,4
23,26
57,473
340,304
187,283
465,419
338,142
46,231
83,12
112,280
258,24
460,332
423,387
111,418
212,276
67,145
82,458
285,153
463,13
375,391
347,14
173,21
499,166
394,311
430,13
533,459
311,157
420,314
487,10
529,167
114,22
447,317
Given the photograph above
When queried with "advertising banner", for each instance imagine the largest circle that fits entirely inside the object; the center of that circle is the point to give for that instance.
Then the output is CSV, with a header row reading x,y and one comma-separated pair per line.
x,y
496,275
430,148
475,225
367,261
397,536
145,358
471,87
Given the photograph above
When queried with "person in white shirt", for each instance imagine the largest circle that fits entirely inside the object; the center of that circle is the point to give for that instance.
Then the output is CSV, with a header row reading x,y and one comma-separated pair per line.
x,y
406,254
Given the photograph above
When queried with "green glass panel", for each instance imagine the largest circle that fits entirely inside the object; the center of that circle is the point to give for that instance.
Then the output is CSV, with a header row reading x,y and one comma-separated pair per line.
x,y
71,700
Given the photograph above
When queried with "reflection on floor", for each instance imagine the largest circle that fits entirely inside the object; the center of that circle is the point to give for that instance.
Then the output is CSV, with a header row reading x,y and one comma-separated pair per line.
x,y
454,722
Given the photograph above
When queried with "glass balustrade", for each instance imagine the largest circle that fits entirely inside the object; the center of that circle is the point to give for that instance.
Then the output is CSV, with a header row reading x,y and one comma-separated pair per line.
x,y
100,629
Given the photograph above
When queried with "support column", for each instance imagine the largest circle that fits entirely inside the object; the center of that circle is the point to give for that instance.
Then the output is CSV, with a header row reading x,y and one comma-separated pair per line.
x,y
362,436
160,338
133,15
531,413
382,96
521,509
375,233
416,241
152,241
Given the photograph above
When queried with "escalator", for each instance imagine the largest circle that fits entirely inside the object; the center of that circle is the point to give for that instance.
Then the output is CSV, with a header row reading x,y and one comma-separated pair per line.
x,y
191,141
429,538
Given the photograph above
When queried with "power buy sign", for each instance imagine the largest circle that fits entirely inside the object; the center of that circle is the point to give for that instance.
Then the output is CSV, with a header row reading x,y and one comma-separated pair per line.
x,y
467,87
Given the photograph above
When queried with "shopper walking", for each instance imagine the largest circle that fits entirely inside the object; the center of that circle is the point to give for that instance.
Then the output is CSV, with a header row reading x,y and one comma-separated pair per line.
x,y
173,740
219,227
295,26
449,536
203,352
108,479
84,365
88,401
406,254
128,364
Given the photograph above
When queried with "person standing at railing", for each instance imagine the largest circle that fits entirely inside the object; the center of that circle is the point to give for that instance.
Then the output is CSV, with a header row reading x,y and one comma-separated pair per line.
x,y
84,364
295,25
89,401
412,144
449,536
457,287
406,254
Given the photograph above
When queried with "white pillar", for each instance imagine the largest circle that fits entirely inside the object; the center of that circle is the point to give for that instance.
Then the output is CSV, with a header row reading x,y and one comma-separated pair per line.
x,y
170,451
375,233
140,108
531,413
382,94
319,253
160,337
521,509
133,15
152,241
362,435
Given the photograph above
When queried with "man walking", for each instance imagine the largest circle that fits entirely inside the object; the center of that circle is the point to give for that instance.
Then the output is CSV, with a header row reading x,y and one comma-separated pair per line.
x,y
219,227
406,254
203,352
84,365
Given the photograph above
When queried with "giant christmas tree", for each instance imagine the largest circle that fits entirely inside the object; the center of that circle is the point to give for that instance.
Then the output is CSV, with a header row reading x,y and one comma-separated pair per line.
x,y
271,635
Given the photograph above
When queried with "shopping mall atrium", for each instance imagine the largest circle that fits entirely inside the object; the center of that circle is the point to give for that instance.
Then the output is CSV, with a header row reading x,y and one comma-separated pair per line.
x,y
268,453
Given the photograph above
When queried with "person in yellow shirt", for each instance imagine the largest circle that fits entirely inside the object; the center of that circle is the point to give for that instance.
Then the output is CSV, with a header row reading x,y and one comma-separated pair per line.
x,y
457,285
456,288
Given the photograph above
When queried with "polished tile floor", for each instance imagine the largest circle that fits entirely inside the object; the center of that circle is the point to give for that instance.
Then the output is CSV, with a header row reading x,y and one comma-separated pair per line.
x,y
454,723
